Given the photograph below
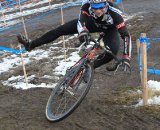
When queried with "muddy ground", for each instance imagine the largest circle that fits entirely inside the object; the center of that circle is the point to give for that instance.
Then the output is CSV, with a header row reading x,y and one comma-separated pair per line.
x,y
109,104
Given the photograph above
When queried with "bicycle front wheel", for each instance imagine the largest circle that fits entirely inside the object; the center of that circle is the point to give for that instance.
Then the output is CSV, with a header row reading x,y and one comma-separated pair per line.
x,y
69,93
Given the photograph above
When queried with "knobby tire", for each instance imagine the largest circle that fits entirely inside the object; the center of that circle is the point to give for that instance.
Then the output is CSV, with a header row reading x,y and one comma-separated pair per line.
x,y
58,93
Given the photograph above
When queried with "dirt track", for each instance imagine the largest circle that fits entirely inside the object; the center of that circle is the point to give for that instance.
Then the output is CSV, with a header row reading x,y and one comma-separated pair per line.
x,y
108,106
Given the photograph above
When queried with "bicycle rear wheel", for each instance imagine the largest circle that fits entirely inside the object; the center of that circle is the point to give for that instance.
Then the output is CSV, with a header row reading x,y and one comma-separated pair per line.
x,y
69,93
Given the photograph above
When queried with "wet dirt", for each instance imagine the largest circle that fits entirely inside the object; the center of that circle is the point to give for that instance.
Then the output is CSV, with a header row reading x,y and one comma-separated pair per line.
x,y
110,103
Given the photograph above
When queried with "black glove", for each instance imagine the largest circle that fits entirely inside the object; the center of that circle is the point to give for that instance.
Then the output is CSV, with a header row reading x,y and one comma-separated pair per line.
x,y
25,41
84,37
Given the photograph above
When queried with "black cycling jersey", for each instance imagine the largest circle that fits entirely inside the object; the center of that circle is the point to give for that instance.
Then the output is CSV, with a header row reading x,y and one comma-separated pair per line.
x,y
112,18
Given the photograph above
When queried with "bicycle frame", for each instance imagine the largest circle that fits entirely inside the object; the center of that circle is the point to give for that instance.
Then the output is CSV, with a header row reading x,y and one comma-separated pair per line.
x,y
90,54
89,57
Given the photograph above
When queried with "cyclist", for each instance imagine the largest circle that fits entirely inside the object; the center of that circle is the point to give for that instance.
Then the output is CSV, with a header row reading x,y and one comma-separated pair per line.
x,y
95,16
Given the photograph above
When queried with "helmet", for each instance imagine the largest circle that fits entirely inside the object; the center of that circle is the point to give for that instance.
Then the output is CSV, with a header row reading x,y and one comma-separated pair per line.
x,y
97,3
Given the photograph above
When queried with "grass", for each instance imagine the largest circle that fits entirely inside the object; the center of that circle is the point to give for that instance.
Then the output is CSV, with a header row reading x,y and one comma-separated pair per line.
x,y
152,93
150,110
129,96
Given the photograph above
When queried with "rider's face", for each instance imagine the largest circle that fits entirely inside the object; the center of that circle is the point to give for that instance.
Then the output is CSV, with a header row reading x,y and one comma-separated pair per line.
x,y
99,12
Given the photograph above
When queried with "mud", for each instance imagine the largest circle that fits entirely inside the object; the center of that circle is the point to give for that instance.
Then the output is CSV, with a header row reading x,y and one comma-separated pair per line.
x,y
110,103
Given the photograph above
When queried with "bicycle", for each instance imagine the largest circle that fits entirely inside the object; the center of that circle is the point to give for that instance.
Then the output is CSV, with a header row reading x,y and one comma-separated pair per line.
x,y
74,86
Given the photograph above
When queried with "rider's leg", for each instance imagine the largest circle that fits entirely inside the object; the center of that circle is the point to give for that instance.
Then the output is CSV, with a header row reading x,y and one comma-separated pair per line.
x,y
66,29
112,40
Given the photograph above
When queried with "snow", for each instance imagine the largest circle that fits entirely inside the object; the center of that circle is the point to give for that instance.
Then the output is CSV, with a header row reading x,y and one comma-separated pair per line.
x,y
19,83
153,85
151,101
9,19
14,60
64,64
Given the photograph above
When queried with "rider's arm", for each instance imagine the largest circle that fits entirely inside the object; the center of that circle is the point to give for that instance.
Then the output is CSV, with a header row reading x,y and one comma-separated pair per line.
x,y
121,26
84,14
126,39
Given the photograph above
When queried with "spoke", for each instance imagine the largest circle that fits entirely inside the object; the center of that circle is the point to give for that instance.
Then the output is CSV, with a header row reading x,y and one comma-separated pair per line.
x,y
63,103
58,106
63,100
66,102
71,98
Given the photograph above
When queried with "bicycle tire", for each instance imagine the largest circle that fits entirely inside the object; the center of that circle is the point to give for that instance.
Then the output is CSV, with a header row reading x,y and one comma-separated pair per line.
x,y
60,90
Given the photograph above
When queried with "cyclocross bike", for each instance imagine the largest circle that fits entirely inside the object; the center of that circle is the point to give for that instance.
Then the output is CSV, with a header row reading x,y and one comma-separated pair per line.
x,y
74,86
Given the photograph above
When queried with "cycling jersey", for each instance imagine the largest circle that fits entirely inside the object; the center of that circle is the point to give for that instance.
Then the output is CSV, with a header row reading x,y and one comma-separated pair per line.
x,y
111,18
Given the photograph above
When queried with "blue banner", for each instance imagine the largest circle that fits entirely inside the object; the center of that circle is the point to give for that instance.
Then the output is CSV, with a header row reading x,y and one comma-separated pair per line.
x,y
153,71
3,48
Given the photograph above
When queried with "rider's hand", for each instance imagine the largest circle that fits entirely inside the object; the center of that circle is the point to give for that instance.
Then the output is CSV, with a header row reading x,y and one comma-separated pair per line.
x,y
126,63
84,37
25,41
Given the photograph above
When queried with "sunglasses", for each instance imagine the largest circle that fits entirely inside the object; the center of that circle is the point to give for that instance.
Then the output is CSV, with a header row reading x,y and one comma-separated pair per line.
x,y
100,5
99,8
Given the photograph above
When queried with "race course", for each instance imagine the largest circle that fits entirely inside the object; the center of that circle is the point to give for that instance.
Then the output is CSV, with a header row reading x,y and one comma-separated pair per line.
x,y
110,103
